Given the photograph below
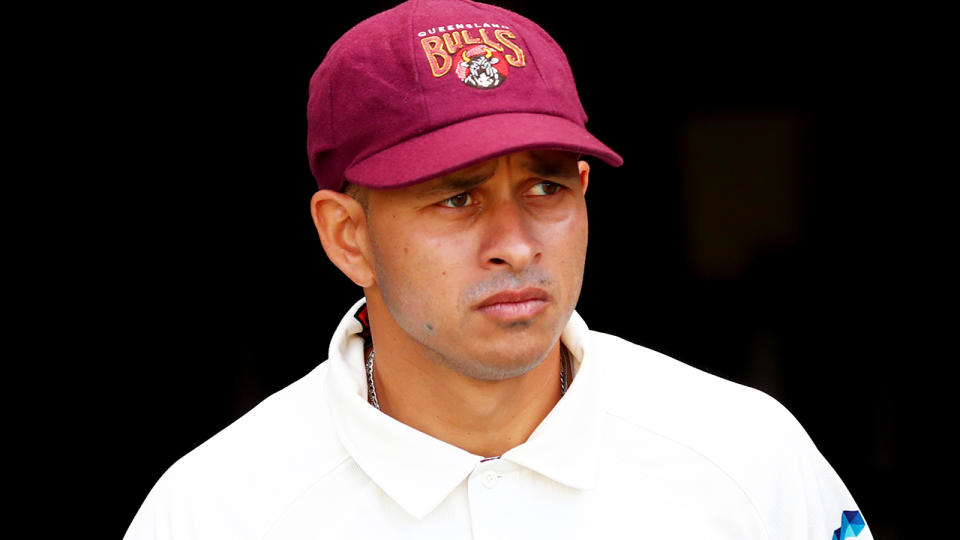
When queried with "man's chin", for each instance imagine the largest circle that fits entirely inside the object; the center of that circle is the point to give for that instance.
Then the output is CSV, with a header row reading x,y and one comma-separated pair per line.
x,y
505,361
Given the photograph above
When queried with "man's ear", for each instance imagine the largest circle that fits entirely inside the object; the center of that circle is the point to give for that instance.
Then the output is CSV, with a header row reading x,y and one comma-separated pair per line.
x,y
342,226
584,175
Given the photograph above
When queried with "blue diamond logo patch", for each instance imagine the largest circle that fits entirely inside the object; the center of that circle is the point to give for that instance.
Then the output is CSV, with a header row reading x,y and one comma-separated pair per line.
x,y
851,523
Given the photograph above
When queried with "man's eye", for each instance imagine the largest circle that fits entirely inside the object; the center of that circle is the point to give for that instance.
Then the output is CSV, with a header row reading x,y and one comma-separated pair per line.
x,y
457,201
546,188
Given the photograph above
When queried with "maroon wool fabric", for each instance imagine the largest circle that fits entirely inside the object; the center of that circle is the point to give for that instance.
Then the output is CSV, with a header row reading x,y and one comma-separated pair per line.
x,y
430,87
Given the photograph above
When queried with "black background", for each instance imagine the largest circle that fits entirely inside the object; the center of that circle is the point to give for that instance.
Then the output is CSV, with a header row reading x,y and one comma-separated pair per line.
x,y
753,232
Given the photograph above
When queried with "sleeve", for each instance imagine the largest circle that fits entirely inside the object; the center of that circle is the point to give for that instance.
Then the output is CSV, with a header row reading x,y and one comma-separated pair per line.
x,y
808,500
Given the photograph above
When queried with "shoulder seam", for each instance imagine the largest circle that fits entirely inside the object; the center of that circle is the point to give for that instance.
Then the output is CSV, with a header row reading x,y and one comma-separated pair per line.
x,y
295,498
701,454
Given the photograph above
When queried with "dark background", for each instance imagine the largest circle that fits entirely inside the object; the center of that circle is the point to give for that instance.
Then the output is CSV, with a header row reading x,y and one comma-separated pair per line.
x,y
754,231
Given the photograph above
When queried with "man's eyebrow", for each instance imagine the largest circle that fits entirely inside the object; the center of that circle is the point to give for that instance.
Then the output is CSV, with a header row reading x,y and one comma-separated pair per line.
x,y
552,168
547,168
454,184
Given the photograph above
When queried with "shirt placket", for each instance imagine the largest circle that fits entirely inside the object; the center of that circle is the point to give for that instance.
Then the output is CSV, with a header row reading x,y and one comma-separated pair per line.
x,y
493,490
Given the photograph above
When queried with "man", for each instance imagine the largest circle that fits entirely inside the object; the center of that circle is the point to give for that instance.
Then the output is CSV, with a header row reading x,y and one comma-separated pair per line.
x,y
464,397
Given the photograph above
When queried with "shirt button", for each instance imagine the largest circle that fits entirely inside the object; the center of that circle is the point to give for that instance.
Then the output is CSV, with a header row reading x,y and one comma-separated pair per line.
x,y
489,479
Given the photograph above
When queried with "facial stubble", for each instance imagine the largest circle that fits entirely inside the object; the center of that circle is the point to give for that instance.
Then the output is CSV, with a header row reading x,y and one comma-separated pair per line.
x,y
414,319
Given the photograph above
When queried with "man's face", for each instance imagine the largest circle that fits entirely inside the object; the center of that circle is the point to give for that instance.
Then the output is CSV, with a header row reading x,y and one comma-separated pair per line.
x,y
481,269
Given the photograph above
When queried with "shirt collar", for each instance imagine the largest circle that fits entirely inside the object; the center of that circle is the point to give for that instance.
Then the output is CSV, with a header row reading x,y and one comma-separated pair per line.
x,y
419,471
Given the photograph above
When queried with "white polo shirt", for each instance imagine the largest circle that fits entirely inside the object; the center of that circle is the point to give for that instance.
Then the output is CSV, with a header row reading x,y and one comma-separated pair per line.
x,y
641,446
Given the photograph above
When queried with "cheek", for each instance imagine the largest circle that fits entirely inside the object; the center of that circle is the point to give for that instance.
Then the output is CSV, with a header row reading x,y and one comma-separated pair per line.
x,y
416,274
568,243
568,236
440,263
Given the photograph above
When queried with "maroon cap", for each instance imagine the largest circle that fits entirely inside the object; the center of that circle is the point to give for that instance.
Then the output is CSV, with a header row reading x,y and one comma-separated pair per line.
x,y
429,87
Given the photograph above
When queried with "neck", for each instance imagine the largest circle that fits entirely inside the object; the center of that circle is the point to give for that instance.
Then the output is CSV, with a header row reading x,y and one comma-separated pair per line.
x,y
485,418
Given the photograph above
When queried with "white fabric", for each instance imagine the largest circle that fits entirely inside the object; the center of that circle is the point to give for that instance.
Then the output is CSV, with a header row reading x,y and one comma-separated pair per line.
x,y
641,446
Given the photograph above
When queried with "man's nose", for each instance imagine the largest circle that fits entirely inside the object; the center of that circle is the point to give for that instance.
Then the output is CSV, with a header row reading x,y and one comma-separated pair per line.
x,y
510,241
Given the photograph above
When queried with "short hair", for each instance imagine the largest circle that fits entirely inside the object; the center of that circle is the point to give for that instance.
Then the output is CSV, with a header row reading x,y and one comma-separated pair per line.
x,y
359,194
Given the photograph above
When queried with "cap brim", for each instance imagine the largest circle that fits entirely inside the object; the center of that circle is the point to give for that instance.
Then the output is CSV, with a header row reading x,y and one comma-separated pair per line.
x,y
473,141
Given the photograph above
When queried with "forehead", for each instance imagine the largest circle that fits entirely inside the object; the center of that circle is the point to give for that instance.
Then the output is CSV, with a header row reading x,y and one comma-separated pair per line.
x,y
541,163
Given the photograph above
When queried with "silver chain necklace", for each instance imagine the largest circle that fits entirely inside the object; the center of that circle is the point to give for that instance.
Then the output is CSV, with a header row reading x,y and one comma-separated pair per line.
x,y
372,390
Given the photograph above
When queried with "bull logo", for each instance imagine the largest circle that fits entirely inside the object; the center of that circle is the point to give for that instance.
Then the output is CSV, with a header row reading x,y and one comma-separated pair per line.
x,y
481,67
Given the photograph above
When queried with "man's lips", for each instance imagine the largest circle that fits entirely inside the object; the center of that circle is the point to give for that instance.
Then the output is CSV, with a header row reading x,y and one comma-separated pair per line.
x,y
519,304
512,297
